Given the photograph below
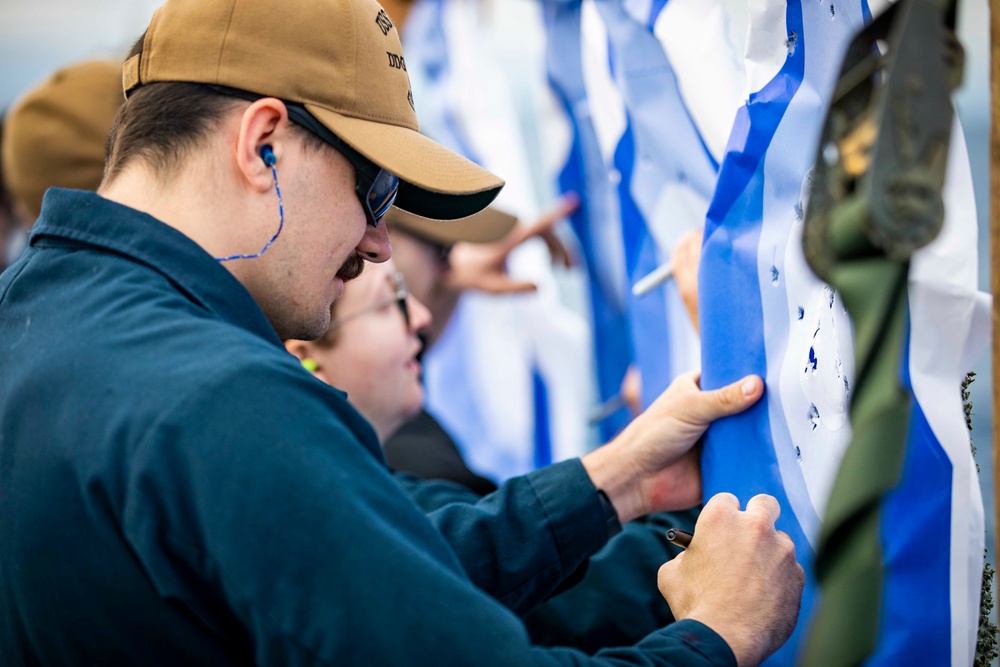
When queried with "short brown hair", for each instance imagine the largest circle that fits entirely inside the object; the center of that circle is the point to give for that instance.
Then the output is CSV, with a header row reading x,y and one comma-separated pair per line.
x,y
160,122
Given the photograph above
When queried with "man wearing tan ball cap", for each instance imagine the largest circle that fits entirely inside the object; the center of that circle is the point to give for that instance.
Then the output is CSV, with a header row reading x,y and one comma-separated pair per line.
x,y
176,489
54,135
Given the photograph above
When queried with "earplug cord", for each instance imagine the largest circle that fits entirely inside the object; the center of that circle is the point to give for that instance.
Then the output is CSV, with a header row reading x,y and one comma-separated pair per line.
x,y
281,216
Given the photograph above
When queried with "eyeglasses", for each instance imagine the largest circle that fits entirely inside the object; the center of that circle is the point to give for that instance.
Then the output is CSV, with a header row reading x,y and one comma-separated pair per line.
x,y
400,297
376,187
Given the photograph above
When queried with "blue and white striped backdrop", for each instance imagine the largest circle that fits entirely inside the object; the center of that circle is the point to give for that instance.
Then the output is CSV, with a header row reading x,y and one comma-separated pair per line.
x,y
764,312
510,378
644,155
669,130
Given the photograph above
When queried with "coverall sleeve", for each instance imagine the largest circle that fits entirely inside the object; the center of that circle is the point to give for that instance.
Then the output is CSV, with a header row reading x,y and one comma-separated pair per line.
x,y
261,504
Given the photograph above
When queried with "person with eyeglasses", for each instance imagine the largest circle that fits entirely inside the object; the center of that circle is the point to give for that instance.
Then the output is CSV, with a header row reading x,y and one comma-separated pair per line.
x,y
372,352
371,348
176,489
422,249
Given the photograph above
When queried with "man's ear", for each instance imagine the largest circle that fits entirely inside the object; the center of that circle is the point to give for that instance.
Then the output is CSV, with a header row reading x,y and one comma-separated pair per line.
x,y
264,123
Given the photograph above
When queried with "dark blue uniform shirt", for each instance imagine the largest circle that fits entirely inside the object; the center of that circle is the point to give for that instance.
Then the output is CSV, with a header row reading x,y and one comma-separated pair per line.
x,y
176,490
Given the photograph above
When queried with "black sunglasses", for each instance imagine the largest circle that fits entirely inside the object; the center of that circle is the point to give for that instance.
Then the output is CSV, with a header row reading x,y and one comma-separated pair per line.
x,y
376,187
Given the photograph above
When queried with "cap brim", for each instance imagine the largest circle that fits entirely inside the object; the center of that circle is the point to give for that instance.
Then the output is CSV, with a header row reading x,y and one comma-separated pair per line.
x,y
435,182
487,226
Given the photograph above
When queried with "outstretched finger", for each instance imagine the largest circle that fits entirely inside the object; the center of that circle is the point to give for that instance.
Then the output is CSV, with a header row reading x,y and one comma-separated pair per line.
x,y
566,204
501,284
563,207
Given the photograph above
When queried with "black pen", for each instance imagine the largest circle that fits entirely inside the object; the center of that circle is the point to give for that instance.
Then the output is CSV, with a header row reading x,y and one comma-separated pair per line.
x,y
678,537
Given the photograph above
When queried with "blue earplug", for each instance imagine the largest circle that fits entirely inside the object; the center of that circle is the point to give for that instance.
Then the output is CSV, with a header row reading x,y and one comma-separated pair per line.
x,y
267,155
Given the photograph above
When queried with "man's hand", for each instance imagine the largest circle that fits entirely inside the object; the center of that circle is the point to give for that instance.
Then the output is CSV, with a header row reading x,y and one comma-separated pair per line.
x,y
482,266
739,577
652,465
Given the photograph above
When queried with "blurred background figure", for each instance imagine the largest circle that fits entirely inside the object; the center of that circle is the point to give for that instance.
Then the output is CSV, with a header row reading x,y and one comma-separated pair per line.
x,y
423,249
440,262
437,261
54,135
510,377
11,230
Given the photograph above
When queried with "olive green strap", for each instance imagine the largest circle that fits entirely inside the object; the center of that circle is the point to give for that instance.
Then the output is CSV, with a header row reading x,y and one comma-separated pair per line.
x,y
875,198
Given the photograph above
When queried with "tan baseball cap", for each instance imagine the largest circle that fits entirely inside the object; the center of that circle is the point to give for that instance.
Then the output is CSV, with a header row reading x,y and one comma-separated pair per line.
x,y
489,225
54,136
341,60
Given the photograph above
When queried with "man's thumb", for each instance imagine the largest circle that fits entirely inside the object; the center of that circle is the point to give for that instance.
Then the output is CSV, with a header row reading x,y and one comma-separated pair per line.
x,y
729,400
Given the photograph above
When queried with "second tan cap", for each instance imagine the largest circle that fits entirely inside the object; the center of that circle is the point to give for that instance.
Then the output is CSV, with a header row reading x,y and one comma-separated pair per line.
x,y
487,226
54,136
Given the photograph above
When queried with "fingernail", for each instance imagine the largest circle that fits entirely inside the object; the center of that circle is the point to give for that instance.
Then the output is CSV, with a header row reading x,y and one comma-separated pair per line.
x,y
749,386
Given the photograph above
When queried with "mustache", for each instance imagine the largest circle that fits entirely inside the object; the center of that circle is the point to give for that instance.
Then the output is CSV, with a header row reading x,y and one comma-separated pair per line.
x,y
352,268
